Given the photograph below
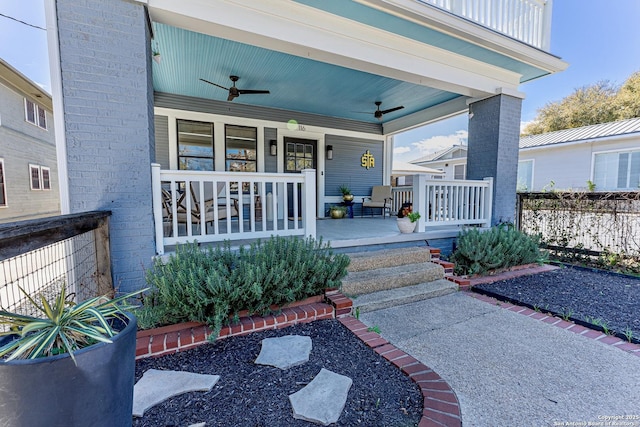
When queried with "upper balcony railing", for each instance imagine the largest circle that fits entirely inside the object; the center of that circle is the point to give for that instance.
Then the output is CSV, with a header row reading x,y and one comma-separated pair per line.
x,y
526,20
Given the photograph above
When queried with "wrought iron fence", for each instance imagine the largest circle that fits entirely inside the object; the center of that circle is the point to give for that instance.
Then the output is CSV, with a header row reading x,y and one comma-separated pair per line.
x,y
42,255
592,224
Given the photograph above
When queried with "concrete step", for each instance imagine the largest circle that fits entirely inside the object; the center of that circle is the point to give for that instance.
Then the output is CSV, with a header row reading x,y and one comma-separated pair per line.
x,y
361,261
367,281
405,295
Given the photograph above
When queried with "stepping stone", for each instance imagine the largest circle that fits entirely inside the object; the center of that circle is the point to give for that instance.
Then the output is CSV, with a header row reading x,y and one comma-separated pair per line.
x,y
323,399
157,386
284,352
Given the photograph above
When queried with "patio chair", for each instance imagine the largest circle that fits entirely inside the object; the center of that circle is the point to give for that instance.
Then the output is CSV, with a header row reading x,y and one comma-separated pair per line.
x,y
380,198
196,217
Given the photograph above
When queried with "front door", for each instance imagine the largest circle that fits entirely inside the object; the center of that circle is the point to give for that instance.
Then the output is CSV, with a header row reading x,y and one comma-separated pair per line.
x,y
299,154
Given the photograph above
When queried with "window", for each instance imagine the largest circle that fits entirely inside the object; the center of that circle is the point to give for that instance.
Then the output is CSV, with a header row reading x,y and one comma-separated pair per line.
x,y
195,145
241,148
617,171
525,175
459,171
35,114
45,174
299,156
3,187
34,172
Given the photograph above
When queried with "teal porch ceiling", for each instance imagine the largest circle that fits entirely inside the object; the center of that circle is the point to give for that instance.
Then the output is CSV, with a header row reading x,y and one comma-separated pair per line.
x,y
295,83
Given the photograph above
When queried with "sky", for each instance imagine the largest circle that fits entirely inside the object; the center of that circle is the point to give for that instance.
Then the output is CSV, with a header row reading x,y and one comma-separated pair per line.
x,y
600,39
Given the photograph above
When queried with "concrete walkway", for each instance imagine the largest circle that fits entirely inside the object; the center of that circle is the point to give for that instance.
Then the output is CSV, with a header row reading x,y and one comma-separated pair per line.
x,y
508,369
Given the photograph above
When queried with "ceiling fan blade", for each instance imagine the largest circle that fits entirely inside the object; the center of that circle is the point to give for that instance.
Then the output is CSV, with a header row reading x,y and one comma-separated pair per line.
x,y
390,110
215,84
251,91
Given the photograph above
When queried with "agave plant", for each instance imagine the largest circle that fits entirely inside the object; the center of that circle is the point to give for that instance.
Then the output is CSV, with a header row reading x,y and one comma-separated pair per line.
x,y
65,327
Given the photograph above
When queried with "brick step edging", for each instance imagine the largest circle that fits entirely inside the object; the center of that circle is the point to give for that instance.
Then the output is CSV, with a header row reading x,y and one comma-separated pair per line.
x,y
440,403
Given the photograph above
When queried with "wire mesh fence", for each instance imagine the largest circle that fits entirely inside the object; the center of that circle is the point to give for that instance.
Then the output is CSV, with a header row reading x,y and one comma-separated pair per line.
x,y
62,253
587,224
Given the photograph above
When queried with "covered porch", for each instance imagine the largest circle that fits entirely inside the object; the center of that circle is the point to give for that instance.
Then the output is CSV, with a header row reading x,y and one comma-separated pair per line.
x,y
216,206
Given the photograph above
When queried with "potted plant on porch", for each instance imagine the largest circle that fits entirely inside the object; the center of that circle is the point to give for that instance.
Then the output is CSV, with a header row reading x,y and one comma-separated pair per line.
x,y
337,212
407,219
72,366
346,193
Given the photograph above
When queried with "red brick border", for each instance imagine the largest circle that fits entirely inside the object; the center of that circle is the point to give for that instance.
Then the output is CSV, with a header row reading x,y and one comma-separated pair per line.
x,y
440,403
174,338
558,322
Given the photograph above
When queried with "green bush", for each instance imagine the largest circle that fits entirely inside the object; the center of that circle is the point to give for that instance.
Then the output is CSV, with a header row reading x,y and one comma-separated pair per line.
x,y
210,285
500,247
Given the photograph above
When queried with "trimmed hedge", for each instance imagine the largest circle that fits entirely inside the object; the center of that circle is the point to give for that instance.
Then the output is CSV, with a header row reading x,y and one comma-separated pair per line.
x,y
209,285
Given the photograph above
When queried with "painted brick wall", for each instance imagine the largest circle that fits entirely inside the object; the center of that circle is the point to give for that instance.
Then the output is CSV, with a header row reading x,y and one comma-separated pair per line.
x,y
108,102
494,134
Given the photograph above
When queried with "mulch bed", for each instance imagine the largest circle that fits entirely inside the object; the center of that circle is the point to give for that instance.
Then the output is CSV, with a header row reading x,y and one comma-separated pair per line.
x,y
257,396
594,298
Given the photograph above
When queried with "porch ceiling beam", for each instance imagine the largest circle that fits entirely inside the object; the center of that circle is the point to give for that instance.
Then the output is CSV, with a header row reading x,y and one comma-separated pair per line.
x,y
430,115
304,31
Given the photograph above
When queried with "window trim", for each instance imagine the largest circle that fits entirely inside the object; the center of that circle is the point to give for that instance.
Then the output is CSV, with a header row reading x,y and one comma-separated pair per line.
x,y
37,108
42,180
3,203
593,163
35,168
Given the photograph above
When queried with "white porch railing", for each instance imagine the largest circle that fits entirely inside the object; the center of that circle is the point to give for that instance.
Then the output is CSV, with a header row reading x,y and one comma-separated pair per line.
x,y
526,20
217,206
457,202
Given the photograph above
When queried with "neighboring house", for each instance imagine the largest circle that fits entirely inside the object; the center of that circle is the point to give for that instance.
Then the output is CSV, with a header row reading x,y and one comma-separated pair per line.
x,y
452,161
325,65
602,157
606,155
28,166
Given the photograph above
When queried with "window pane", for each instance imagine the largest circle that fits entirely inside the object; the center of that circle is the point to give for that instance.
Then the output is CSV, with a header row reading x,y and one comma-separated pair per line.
x,y
46,181
623,169
525,176
605,171
241,148
195,145
42,118
30,111
458,172
35,177
3,197
634,174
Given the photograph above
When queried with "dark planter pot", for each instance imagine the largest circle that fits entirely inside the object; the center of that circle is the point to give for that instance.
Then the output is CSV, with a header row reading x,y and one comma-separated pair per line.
x,y
53,392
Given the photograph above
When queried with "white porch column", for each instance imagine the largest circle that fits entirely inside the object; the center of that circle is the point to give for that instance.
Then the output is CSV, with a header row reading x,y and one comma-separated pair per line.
x,y
309,202
156,194
420,200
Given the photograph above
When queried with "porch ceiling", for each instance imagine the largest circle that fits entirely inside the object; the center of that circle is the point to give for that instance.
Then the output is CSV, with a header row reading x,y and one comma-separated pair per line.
x,y
335,62
295,83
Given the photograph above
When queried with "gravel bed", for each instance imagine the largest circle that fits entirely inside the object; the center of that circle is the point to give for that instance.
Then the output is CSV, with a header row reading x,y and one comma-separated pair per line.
x,y
257,396
598,299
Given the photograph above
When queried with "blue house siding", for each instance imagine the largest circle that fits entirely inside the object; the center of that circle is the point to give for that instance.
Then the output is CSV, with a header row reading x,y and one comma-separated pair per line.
x,y
108,113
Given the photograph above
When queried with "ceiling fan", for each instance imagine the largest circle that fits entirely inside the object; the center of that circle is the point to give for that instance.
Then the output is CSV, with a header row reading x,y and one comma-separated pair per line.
x,y
234,92
379,113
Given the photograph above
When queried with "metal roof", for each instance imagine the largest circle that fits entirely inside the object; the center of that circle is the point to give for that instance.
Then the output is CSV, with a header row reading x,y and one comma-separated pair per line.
x,y
585,133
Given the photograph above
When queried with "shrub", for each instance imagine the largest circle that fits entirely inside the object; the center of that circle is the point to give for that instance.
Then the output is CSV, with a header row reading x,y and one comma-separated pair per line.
x,y
211,285
500,247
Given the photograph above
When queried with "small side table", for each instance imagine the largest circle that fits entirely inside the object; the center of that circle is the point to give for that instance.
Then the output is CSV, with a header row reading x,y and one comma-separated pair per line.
x,y
349,206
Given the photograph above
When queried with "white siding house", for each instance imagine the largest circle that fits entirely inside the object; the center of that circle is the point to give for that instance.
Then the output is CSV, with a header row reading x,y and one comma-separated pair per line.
x,y
28,167
602,157
607,155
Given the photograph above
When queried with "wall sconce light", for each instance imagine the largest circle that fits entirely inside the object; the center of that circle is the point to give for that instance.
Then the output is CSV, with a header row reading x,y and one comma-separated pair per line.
x,y
470,112
329,152
273,147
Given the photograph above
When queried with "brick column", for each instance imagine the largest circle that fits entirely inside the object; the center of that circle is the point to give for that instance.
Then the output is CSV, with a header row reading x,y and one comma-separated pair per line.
x,y
494,135
108,117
